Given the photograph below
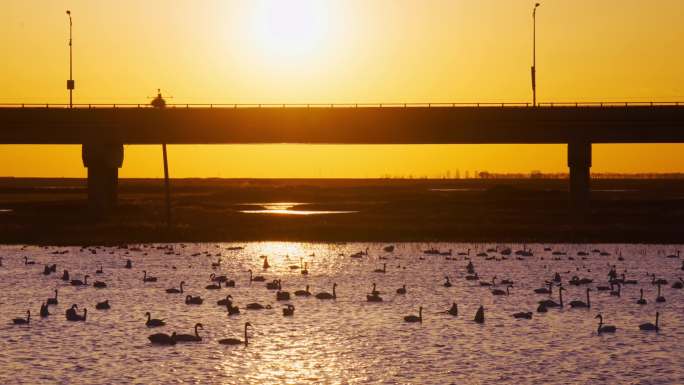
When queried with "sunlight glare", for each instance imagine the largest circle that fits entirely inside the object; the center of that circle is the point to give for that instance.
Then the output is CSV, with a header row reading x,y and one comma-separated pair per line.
x,y
290,29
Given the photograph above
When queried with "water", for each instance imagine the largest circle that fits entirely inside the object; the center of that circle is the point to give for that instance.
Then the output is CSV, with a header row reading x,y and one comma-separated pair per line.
x,y
346,341
285,208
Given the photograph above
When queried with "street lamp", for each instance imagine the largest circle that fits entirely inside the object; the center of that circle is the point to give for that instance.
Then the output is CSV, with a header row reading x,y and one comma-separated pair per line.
x,y
534,54
70,82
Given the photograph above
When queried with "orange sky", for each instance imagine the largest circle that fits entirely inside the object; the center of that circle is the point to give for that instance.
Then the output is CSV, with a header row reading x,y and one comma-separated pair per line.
x,y
341,51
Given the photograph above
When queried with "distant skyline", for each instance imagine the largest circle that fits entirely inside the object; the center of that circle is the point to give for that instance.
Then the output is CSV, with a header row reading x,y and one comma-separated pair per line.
x,y
341,51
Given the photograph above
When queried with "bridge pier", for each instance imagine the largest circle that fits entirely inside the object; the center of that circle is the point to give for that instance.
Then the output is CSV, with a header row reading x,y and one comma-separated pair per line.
x,y
579,162
103,161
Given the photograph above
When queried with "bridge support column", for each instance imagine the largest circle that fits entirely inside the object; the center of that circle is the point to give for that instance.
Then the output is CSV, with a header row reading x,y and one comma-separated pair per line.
x,y
103,161
579,162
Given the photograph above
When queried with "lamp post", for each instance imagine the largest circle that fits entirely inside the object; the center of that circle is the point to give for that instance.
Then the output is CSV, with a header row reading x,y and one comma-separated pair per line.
x,y
534,54
70,82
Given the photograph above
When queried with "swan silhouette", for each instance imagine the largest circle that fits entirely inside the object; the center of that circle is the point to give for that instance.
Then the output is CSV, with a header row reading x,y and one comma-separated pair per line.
x,y
190,337
453,310
23,321
604,328
235,341
153,322
303,293
288,311
641,300
413,318
148,279
190,300
325,295
479,315
578,303
402,289
649,326
173,290
162,339
53,301
103,305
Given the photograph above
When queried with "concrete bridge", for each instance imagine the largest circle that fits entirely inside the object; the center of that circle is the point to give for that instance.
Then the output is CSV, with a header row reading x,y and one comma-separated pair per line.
x,y
103,130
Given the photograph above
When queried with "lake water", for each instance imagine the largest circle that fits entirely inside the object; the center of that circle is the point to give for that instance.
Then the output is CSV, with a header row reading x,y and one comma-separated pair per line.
x,y
342,341
286,208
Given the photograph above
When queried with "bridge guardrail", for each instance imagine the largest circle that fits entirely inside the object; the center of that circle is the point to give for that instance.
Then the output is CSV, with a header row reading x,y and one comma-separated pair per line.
x,y
344,105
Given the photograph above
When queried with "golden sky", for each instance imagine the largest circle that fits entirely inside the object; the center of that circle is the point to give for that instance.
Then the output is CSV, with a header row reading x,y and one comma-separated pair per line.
x,y
341,51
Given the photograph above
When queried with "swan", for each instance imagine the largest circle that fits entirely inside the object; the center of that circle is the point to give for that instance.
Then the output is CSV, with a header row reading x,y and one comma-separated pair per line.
x,y
325,295
256,306
413,318
402,289
173,290
53,301
78,282
190,300
103,305
447,282
655,281
604,328
388,249
148,279
474,277
23,321
288,311
220,278
493,283
479,315
522,314
71,314
550,303
282,295
217,263
660,298
453,310
641,300
44,311
501,292
265,265
678,285
618,292
232,310
649,326
545,290
470,267
303,293
99,271
190,337
383,270
153,322
27,262
65,275
273,285
374,296
99,284
162,339
129,264
213,286
305,270
235,341
674,255
578,303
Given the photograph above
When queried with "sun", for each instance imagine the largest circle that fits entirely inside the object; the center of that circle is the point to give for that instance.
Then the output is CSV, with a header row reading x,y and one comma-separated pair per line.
x,y
286,29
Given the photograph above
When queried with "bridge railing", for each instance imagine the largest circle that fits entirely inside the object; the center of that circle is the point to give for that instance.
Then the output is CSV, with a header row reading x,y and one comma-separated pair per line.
x,y
343,105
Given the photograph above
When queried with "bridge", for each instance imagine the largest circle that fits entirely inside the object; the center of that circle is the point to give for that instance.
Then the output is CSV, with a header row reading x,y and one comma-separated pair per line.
x,y
104,129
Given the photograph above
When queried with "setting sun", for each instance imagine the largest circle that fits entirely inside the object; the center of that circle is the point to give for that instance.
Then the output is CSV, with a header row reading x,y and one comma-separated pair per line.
x,y
290,32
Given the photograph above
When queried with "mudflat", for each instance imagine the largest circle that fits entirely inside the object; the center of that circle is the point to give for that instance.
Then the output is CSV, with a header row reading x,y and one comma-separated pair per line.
x,y
56,211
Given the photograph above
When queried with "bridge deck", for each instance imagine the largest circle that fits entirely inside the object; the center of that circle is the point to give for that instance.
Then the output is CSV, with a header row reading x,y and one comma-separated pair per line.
x,y
345,125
